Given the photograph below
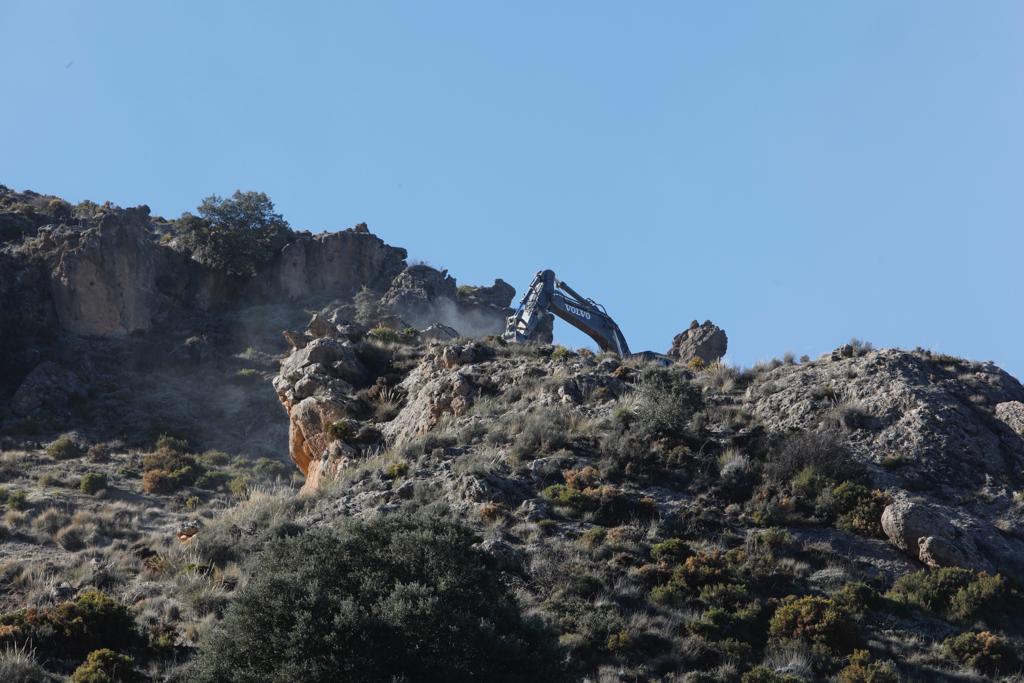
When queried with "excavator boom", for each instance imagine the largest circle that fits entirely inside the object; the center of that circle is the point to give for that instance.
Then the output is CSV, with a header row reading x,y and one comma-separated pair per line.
x,y
548,295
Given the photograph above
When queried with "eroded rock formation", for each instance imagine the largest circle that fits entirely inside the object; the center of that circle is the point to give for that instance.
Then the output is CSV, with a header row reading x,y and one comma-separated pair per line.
x,y
422,296
705,341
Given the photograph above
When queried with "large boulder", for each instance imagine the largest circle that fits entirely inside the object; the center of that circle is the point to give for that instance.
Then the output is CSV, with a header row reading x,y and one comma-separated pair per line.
x,y
103,280
940,536
927,533
705,341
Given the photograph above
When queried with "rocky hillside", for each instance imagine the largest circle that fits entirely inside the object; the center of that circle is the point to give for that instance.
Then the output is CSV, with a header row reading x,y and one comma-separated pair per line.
x,y
364,495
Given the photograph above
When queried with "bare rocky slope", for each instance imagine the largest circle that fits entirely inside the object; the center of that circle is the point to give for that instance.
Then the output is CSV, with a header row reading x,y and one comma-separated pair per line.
x,y
855,517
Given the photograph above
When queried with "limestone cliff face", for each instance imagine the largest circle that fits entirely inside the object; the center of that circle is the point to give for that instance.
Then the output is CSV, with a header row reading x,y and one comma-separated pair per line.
x,y
337,264
110,275
104,279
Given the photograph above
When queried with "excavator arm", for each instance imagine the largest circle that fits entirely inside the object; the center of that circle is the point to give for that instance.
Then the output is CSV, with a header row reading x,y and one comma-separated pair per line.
x,y
549,295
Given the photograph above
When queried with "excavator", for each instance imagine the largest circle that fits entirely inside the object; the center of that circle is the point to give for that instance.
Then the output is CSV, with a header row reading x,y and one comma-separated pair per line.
x,y
548,295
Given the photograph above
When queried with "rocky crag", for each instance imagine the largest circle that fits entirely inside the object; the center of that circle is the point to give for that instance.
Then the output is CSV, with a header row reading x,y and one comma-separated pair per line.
x,y
100,296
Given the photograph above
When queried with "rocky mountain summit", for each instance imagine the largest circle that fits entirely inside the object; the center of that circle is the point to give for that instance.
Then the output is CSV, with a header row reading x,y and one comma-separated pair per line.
x,y
186,446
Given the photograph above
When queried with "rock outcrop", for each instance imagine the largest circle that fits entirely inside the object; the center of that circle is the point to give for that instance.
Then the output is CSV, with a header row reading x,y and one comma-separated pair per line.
x,y
705,341
925,425
315,383
422,296
498,295
104,279
337,264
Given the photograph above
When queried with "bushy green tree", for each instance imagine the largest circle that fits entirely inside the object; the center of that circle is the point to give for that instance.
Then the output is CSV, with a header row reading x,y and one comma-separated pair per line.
x,y
398,598
239,234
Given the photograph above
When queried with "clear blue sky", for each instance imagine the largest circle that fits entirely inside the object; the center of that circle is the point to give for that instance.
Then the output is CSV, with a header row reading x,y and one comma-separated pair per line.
x,y
798,172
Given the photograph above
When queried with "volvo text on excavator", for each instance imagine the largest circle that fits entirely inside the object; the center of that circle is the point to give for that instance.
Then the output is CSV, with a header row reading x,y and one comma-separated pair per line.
x,y
548,295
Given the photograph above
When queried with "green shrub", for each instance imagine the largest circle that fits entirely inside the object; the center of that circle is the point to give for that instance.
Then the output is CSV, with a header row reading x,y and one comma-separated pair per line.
x,y
92,482
398,598
17,500
667,403
74,628
106,666
858,509
214,481
816,621
239,235
569,497
807,485
560,353
982,598
702,569
953,592
857,597
672,550
988,653
167,469
340,430
397,469
384,334
166,442
607,504
64,447
862,670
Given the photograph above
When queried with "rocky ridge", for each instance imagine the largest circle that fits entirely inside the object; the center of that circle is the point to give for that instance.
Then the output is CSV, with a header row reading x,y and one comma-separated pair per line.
x,y
927,428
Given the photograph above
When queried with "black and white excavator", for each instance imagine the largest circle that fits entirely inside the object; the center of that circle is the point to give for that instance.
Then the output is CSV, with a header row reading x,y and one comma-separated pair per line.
x,y
548,295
